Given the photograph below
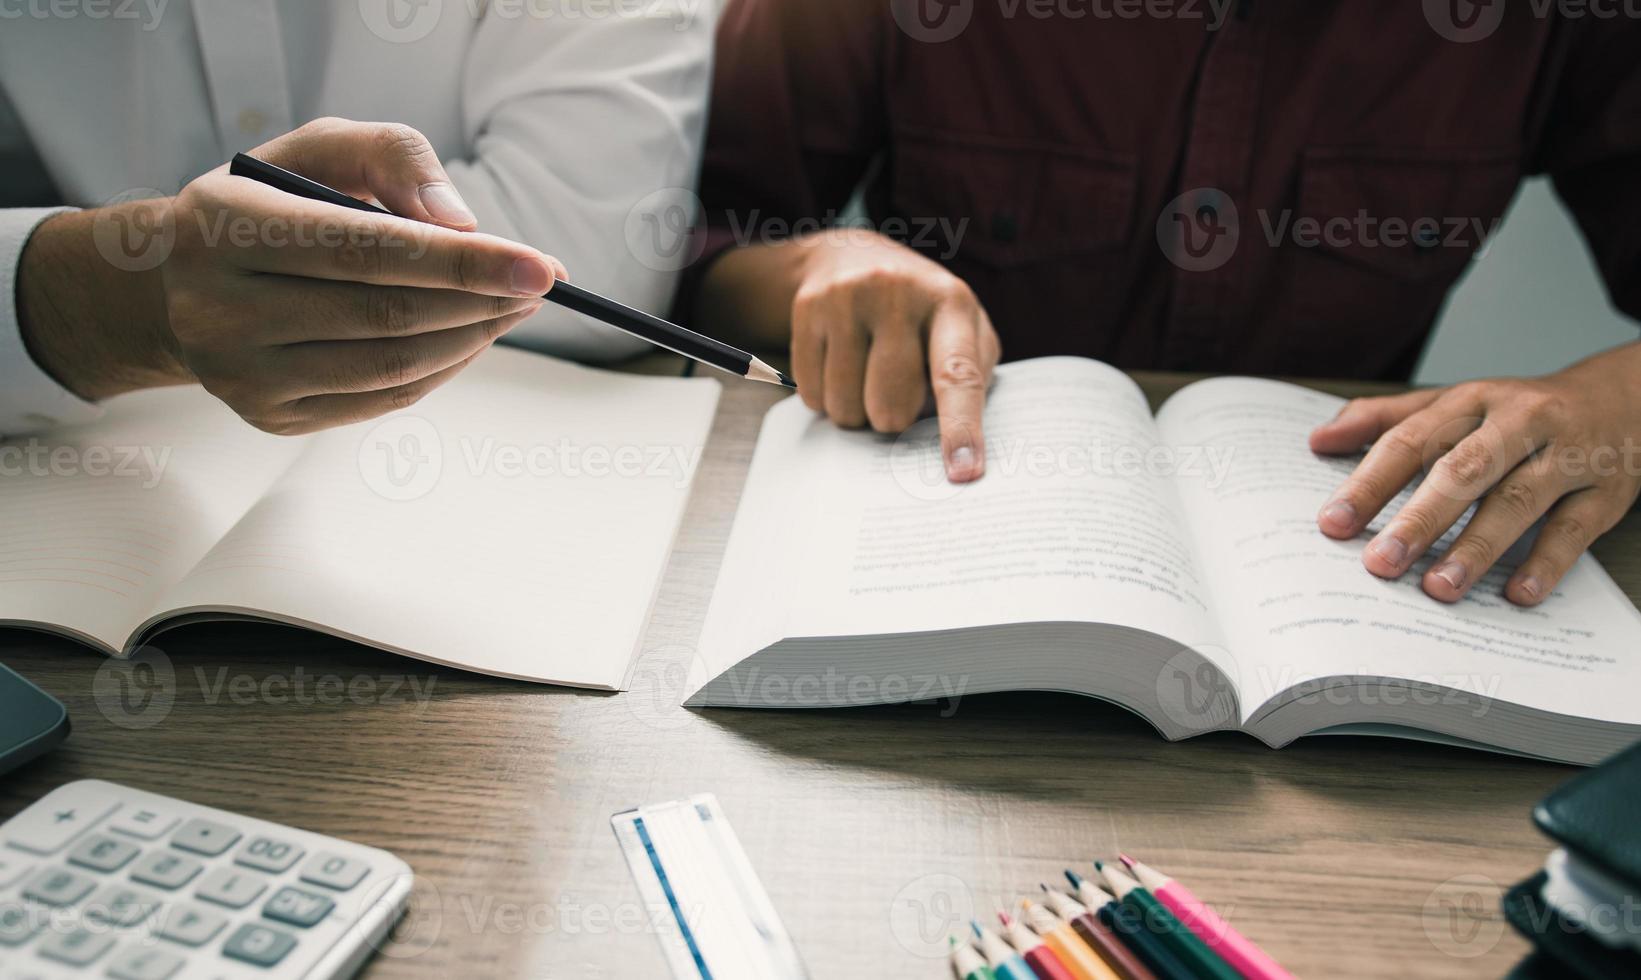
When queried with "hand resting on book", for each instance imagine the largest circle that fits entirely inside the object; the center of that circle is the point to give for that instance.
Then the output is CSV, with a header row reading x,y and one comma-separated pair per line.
x,y
1565,448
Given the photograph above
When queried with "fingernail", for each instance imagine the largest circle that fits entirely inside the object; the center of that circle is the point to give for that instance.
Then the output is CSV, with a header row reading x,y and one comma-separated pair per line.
x,y
960,466
1391,548
1452,573
1530,587
444,204
531,277
1340,515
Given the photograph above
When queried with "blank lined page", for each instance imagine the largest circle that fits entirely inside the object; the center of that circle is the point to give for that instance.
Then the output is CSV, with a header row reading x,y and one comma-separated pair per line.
x,y
515,522
96,521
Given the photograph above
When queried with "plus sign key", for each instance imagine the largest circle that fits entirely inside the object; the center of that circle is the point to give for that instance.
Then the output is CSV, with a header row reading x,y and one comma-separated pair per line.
x,y
52,822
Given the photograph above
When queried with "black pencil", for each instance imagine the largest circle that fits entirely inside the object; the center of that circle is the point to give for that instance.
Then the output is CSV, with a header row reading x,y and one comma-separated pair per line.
x,y
653,329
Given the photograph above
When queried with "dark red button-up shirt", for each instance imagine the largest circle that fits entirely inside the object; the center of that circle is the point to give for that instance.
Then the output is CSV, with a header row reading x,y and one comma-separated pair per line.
x,y
1263,186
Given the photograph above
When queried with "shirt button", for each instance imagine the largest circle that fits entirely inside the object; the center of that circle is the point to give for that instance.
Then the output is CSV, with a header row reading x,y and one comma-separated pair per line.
x,y
252,122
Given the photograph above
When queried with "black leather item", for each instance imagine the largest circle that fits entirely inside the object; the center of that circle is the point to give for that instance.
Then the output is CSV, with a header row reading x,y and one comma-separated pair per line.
x,y
1597,815
1568,944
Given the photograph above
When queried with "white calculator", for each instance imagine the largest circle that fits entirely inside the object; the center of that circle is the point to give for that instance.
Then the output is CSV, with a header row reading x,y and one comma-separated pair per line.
x,y
100,880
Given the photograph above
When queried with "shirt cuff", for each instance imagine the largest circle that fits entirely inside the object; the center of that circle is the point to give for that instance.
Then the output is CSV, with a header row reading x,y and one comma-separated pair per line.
x,y
30,399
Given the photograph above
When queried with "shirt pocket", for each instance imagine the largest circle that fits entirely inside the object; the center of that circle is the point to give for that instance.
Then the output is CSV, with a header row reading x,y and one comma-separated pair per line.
x,y
1377,239
1416,215
1005,203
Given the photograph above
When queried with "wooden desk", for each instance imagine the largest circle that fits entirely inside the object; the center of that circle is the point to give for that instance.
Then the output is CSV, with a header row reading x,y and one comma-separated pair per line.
x,y
876,831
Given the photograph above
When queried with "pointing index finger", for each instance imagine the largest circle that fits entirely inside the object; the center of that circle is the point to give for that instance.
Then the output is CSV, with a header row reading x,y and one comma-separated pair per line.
x,y
959,373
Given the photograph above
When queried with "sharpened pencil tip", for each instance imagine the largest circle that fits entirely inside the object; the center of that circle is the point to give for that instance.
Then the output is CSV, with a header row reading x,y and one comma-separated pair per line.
x,y
1075,878
1003,917
975,925
1127,861
786,380
1099,866
1043,886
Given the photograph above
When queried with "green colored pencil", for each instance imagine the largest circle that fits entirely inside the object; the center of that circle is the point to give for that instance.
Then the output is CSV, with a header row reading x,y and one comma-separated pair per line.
x,y
1193,952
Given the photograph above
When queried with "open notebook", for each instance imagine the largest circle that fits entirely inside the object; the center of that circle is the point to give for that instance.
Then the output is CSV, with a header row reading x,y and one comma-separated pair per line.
x,y
1170,564
515,522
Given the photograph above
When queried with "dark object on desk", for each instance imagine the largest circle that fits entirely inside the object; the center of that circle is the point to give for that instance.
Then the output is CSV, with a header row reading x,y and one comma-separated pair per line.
x,y
642,325
1579,912
32,722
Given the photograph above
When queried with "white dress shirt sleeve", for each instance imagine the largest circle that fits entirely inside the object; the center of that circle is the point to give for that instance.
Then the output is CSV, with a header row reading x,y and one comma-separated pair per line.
x,y
573,123
30,399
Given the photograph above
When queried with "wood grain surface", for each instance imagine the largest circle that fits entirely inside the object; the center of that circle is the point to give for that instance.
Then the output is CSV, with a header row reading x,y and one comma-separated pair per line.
x,y
876,831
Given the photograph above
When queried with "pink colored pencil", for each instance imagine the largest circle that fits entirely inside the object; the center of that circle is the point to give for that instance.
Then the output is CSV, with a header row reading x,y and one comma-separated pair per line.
x,y
1235,948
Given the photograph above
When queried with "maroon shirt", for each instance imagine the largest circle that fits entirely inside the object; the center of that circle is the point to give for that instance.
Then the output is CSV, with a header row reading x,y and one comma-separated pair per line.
x,y
1292,189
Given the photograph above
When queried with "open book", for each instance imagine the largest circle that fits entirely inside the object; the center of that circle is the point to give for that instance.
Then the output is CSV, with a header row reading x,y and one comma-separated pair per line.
x,y
1171,565
515,522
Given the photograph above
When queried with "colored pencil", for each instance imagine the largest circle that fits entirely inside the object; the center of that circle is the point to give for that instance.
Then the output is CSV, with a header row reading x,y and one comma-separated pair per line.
x,y
1004,961
1077,955
1251,961
1129,926
1192,951
1039,957
967,964
1098,936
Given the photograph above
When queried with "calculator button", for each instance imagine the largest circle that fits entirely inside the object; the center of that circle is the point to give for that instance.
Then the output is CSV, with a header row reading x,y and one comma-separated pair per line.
x,y
267,854
99,852
142,963
334,871
164,870
17,923
58,886
205,837
190,925
235,889
121,906
258,945
76,947
296,907
49,824
144,823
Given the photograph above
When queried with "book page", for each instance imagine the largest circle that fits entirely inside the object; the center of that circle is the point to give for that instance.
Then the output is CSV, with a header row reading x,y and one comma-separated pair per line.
x,y
97,520
851,533
1299,606
514,522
